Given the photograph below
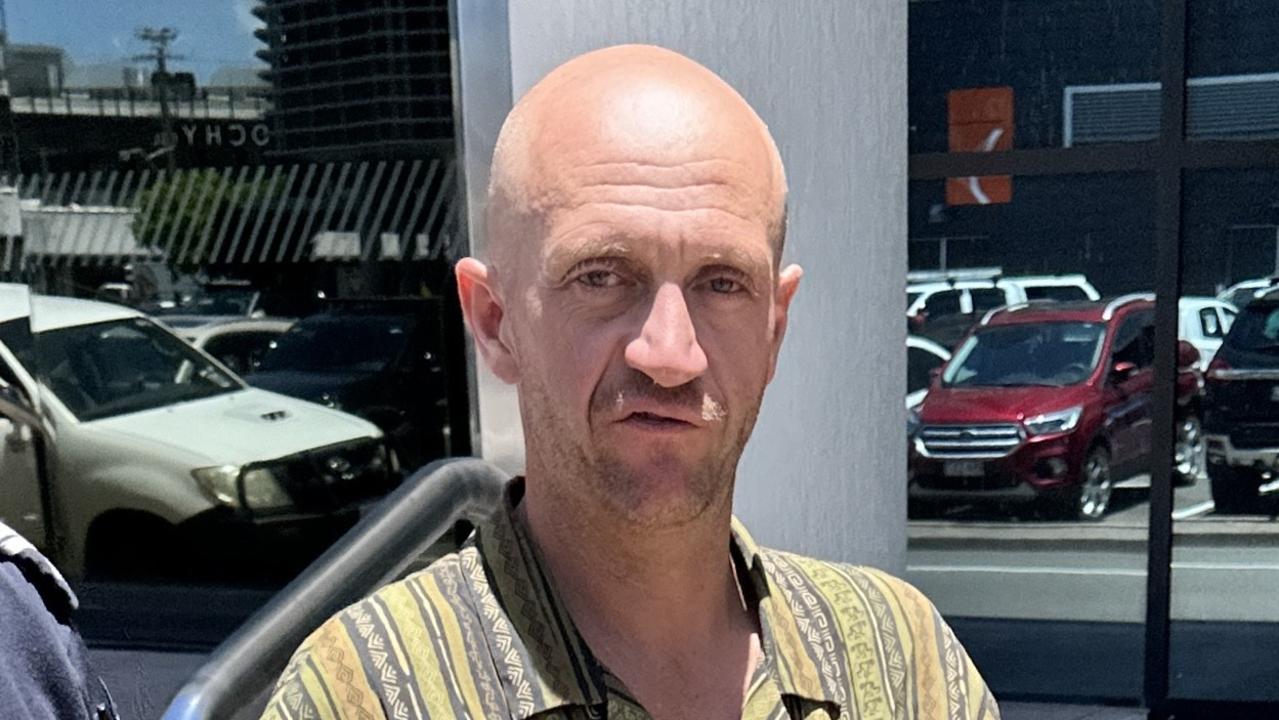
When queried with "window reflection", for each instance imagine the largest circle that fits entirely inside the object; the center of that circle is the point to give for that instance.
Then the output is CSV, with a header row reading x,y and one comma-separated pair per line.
x,y
991,76
237,222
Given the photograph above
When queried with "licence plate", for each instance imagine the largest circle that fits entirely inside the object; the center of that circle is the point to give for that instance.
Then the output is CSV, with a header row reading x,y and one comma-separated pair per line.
x,y
963,468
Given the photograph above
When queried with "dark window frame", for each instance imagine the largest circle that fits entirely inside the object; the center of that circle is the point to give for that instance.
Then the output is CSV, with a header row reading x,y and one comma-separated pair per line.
x,y
1168,158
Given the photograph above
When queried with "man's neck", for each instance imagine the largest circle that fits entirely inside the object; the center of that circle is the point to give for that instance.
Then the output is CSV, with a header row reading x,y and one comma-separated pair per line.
x,y
655,605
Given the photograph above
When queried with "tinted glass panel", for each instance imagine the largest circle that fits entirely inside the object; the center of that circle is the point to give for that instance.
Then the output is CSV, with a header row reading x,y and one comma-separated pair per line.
x,y
188,180
1029,462
1232,88
994,75
1225,577
919,367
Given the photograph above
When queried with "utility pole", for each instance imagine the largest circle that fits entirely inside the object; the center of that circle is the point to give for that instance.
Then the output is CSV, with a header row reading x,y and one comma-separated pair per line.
x,y
8,132
160,39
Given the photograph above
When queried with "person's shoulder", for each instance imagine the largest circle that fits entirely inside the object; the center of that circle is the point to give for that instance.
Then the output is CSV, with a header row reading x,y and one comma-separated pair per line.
x,y
846,573
437,590
29,574
882,617
853,590
333,666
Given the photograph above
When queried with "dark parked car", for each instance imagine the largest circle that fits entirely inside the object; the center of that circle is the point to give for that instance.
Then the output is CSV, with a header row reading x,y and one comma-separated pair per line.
x,y
380,359
1241,418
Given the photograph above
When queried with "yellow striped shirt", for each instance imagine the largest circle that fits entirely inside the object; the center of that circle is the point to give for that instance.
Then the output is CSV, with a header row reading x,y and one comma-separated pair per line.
x,y
481,634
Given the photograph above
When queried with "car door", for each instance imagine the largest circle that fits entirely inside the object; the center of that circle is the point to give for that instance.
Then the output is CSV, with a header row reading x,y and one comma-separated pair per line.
x,y
1130,399
21,494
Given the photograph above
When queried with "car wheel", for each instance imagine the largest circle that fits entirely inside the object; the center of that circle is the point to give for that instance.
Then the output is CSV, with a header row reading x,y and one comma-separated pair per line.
x,y
1092,499
1190,452
132,547
1235,490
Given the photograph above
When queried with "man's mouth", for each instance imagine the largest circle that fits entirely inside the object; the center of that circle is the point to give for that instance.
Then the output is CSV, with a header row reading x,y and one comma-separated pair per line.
x,y
655,421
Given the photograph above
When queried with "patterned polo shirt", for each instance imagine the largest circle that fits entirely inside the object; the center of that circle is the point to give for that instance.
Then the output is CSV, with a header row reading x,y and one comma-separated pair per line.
x,y
481,633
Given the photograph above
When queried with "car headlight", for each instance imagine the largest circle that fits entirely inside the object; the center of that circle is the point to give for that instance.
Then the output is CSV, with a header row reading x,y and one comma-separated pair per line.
x,y
1054,423
262,490
219,483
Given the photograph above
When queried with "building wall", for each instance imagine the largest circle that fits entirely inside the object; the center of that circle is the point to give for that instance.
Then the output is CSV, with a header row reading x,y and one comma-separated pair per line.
x,y
364,78
34,69
824,473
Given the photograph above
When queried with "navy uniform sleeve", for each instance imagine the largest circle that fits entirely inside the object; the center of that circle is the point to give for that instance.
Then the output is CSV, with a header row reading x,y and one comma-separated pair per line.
x,y
44,669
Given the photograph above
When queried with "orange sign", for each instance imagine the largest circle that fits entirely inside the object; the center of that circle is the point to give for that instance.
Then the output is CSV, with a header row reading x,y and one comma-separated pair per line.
x,y
980,120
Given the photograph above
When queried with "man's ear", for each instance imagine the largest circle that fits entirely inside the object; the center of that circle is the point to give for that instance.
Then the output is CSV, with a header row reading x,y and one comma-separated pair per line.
x,y
787,283
483,311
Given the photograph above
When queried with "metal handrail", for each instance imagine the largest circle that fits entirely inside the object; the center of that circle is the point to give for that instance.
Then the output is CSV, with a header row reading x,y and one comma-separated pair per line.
x,y
380,548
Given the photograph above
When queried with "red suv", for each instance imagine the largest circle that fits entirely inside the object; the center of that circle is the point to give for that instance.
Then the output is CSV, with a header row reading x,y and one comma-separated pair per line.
x,y
1050,403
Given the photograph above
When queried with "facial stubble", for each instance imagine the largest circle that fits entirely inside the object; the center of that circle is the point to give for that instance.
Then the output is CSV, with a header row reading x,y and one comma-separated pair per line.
x,y
586,470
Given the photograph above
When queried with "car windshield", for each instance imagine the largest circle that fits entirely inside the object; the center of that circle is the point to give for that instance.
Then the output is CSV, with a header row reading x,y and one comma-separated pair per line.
x,y
125,366
340,343
1051,354
1256,328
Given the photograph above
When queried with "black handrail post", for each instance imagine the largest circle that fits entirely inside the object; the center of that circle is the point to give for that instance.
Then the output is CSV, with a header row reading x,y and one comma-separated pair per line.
x,y
380,548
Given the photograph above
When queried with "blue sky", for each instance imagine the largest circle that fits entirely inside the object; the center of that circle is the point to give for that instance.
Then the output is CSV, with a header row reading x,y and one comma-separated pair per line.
x,y
212,33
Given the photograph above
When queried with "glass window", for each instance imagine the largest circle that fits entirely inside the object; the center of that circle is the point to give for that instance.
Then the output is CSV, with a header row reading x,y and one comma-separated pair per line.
x,y
987,298
1135,341
124,366
1060,293
1233,74
1227,319
1028,469
1224,576
920,364
1053,73
240,351
173,227
1052,354
1210,323
946,302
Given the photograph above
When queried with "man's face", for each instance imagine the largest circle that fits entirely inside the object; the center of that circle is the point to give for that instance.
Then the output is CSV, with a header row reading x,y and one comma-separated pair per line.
x,y
635,300
646,325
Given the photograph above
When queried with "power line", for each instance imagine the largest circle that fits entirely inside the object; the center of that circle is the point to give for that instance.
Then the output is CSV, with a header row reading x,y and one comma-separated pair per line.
x,y
160,39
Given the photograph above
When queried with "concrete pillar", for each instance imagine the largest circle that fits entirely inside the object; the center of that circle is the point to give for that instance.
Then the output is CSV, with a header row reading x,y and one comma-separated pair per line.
x,y
825,471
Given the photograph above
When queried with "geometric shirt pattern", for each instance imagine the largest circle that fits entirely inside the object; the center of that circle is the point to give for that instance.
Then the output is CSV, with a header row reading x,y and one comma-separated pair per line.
x,y
481,633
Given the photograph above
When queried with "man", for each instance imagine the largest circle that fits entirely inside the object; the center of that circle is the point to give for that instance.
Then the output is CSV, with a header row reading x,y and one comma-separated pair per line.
x,y
634,294
44,668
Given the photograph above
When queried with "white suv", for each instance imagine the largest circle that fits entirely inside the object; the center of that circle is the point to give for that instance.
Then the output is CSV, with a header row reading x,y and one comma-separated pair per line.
x,y
1062,288
148,455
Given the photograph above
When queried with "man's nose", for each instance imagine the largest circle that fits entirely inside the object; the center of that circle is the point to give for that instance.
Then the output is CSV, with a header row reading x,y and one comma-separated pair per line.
x,y
667,349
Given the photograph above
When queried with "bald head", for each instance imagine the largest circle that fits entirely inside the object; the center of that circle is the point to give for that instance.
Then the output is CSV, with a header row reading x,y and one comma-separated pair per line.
x,y
605,116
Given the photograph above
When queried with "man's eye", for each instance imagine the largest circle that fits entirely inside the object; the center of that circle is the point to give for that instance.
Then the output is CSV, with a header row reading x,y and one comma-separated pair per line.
x,y
724,285
600,279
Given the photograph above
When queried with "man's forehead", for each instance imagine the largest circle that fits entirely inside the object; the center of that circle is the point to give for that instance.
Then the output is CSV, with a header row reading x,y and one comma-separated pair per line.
x,y
633,126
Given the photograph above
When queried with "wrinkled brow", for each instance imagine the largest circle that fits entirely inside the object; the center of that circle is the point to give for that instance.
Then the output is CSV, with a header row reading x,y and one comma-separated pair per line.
x,y
566,255
562,258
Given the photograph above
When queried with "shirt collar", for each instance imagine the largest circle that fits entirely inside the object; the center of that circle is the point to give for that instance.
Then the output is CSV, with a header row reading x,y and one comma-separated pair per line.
x,y
542,661
544,664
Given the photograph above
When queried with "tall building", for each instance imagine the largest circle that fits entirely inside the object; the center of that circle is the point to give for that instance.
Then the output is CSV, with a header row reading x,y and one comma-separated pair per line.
x,y
35,69
360,79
